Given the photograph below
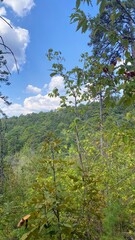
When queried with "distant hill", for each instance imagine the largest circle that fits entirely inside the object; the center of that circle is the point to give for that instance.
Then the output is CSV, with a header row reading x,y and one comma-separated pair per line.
x,y
30,130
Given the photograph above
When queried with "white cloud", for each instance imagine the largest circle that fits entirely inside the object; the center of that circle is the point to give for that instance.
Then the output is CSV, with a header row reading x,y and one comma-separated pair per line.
x,y
16,110
32,104
36,103
2,11
56,82
32,89
13,109
20,7
41,103
16,39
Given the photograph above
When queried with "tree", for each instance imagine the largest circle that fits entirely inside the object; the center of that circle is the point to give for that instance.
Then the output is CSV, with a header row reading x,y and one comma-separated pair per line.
x,y
112,37
4,74
112,30
1,157
4,70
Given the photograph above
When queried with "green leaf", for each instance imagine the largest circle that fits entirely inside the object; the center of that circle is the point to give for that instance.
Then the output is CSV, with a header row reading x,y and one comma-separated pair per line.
x,y
102,6
84,27
80,24
78,3
121,70
42,226
127,54
28,235
112,17
52,74
67,225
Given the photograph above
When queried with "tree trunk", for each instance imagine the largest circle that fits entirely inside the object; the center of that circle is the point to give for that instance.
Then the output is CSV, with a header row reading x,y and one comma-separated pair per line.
x,y
1,160
101,123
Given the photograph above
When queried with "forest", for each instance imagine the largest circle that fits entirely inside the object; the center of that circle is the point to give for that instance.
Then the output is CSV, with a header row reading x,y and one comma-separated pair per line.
x,y
69,174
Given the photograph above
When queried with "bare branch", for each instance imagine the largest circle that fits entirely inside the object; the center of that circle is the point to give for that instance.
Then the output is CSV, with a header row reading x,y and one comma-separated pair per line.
x,y
6,21
6,47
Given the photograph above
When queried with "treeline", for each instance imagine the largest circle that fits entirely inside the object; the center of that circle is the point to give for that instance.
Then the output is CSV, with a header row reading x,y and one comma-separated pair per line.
x,y
31,130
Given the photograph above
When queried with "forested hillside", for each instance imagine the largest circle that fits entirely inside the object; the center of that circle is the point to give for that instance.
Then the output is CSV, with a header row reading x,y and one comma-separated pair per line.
x,y
32,129
70,185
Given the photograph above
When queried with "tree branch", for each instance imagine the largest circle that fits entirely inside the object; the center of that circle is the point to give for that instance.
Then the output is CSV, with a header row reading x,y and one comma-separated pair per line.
x,y
125,10
6,47
6,21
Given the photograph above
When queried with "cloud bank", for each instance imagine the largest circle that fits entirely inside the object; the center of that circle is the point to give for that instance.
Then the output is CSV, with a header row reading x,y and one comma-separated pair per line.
x,y
37,103
17,40
40,101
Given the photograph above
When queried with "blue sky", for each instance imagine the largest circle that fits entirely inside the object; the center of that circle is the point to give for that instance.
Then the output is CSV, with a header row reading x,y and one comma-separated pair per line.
x,y
37,26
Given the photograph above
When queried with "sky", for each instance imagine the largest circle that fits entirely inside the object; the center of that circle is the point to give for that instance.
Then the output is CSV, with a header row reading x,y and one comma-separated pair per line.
x,y
38,25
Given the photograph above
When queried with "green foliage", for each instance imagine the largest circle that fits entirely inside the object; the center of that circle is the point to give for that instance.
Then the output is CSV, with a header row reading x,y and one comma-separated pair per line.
x,y
112,42
80,17
49,184
116,219
78,2
30,234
